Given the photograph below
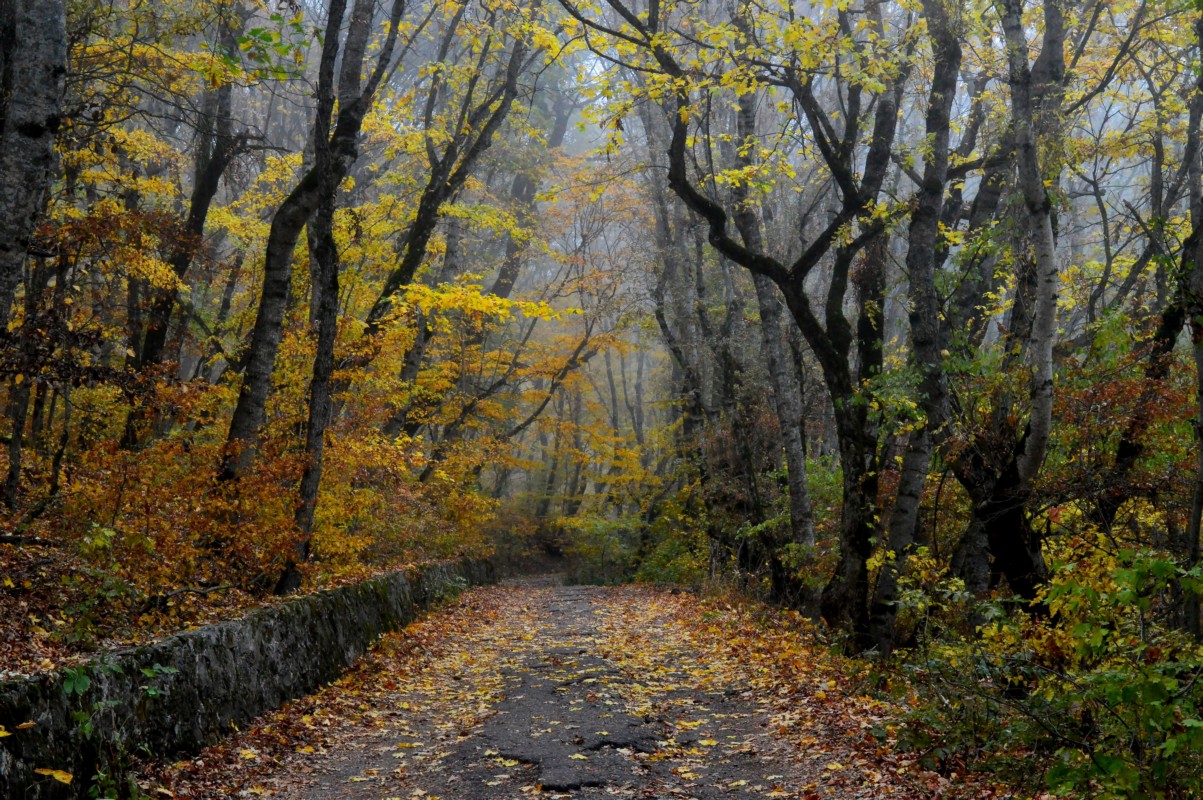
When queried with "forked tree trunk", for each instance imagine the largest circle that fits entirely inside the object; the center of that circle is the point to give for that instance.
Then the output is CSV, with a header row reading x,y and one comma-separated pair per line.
x,y
333,159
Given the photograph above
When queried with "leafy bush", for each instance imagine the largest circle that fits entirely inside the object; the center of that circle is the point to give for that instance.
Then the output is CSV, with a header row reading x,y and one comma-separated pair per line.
x,y
681,557
600,551
1103,689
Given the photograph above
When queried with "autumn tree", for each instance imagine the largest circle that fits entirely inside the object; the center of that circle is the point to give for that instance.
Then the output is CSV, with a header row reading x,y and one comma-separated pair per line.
x,y
335,149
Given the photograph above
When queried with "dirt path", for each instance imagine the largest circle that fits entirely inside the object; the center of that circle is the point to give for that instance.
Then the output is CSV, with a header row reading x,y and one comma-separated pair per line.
x,y
541,690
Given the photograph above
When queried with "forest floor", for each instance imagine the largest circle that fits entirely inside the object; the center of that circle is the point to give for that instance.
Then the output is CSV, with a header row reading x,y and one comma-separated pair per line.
x,y
534,689
58,611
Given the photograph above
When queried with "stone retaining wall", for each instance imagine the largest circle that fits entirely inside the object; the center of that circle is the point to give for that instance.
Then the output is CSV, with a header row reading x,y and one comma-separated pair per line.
x,y
184,692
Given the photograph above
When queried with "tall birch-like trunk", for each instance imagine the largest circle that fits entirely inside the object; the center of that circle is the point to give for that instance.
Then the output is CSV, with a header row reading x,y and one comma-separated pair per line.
x,y
787,401
1026,116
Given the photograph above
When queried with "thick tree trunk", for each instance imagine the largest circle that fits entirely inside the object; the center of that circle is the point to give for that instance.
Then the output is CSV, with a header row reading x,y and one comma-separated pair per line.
x,y
901,536
845,598
33,67
1000,484
1193,282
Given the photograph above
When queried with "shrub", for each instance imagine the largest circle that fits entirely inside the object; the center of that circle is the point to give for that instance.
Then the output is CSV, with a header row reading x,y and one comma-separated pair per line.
x,y
1103,689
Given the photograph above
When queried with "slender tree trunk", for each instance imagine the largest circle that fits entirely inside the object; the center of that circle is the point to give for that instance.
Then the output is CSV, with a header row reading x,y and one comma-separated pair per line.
x,y
321,402
323,251
522,192
447,177
216,148
1025,116
786,585
19,389
18,410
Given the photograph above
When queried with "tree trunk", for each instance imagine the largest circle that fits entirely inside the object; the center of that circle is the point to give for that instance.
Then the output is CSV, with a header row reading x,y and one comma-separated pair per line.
x,y
788,403
33,67
522,192
1193,282
929,332
1026,113
901,536
448,175
323,250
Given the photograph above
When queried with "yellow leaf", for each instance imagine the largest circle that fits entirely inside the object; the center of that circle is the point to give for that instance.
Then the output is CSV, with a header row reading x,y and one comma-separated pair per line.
x,y
579,756
248,754
57,774
24,726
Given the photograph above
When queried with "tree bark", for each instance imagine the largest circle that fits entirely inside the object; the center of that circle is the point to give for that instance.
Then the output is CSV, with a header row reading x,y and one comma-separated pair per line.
x,y
788,403
33,68
1026,115
1193,283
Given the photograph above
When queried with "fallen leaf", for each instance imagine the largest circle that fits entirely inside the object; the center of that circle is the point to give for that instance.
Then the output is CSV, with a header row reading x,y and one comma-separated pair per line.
x,y
58,774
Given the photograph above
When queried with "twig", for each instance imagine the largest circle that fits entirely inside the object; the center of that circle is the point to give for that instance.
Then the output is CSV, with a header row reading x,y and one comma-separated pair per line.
x,y
27,540
160,600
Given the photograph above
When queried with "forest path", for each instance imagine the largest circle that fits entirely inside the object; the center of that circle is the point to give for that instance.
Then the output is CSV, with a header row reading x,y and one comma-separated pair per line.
x,y
533,689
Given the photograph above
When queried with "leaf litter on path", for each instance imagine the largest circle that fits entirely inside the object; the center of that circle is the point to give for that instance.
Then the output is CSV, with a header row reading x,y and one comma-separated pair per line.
x,y
530,690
